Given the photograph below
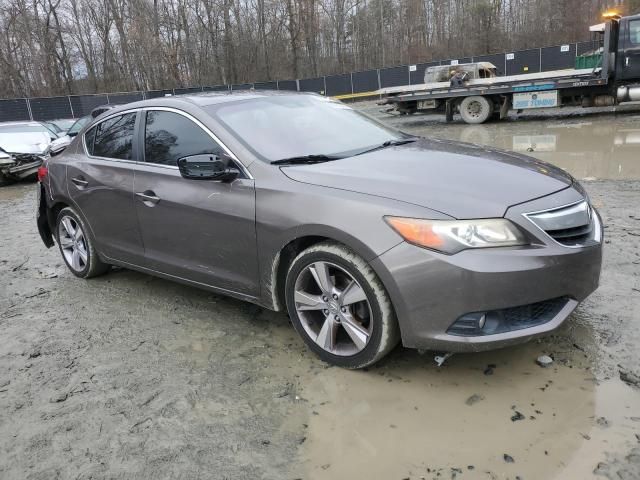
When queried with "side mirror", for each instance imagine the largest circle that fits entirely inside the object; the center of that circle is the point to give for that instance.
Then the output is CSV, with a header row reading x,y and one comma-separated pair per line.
x,y
72,134
208,166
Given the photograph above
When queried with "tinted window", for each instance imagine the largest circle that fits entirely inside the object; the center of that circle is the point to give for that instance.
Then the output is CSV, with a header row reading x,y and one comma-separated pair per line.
x,y
114,137
88,140
170,136
634,31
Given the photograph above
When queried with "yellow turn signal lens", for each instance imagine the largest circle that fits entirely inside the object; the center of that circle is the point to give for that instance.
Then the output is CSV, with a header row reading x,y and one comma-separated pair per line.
x,y
417,231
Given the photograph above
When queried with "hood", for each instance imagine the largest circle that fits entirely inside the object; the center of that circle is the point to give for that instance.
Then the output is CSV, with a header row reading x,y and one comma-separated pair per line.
x,y
32,142
461,180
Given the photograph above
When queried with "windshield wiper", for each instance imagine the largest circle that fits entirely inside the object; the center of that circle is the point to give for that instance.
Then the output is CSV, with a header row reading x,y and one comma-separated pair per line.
x,y
390,143
306,159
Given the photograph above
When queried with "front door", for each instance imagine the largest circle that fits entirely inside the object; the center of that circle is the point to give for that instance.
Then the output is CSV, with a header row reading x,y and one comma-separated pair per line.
x,y
631,54
100,182
200,230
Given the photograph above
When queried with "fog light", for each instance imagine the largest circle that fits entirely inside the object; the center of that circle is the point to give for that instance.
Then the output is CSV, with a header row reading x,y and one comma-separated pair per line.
x,y
469,324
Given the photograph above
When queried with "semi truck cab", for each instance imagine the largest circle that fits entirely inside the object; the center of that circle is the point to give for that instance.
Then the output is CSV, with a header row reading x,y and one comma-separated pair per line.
x,y
628,58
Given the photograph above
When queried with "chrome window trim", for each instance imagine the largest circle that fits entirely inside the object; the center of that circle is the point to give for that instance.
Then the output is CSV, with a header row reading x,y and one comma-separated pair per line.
x,y
595,222
96,157
206,129
245,172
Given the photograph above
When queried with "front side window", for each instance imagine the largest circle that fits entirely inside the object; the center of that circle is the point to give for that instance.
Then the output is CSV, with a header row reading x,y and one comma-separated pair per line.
x,y
170,136
114,137
634,32
284,126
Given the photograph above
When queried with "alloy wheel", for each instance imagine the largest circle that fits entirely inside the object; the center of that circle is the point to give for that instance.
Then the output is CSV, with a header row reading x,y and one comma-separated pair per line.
x,y
333,308
73,243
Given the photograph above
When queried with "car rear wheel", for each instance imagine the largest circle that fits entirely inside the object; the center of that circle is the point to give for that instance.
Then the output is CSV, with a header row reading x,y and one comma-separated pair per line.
x,y
76,246
339,306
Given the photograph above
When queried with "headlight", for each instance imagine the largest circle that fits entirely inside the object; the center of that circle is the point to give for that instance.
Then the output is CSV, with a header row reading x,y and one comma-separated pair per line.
x,y
452,236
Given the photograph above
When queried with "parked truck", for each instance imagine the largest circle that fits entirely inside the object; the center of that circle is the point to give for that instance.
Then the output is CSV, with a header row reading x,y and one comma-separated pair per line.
x,y
478,94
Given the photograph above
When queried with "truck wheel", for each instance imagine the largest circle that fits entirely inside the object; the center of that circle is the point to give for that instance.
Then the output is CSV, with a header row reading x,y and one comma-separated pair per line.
x,y
476,109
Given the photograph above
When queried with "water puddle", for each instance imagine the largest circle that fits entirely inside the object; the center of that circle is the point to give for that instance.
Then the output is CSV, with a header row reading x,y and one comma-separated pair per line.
x,y
596,147
489,415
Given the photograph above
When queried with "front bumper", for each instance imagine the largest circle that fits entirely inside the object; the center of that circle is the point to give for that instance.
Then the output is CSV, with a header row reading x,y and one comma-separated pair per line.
x,y
430,291
21,166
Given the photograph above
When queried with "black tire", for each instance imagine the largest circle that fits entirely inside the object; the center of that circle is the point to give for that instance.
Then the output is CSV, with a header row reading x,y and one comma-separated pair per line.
x,y
476,109
384,334
4,181
93,266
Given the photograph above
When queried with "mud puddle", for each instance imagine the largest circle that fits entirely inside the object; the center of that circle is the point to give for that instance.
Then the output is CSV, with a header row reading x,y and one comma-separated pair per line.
x,y
593,147
491,415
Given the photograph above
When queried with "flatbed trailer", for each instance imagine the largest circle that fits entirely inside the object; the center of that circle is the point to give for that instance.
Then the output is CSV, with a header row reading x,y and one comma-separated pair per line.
x,y
615,80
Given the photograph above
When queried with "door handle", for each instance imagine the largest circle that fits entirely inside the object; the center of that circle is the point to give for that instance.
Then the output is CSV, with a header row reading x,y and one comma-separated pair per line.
x,y
79,182
148,197
626,61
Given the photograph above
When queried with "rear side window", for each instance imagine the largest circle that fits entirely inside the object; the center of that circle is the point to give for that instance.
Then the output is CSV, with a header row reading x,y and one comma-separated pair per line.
x,y
634,31
170,136
89,137
113,138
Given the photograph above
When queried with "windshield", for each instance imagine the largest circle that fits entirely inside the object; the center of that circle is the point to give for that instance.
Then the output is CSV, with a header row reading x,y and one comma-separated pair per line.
x,y
77,126
288,126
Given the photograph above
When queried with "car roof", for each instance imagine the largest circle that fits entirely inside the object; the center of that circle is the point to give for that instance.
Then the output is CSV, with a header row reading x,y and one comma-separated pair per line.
x,y
204,99
25,123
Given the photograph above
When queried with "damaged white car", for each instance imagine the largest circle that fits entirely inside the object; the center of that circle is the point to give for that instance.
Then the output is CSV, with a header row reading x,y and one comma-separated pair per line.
x,y
23,148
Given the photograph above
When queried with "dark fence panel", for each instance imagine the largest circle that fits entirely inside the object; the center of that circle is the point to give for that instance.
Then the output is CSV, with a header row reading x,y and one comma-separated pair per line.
x,y
366,81
497,59
417,76
394,76
287,85
312,85
242,86
16,109
459,60
558,58
158,93
216,88
83,104
120,98
185,90
266,86
338,84
524,61
50,108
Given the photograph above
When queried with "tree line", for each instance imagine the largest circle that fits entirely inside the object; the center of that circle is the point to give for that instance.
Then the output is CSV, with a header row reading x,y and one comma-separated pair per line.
x,y
51,47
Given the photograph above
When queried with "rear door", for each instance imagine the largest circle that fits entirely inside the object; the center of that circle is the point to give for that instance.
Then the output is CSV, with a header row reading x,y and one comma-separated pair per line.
x,y
100,182
200,230
631,54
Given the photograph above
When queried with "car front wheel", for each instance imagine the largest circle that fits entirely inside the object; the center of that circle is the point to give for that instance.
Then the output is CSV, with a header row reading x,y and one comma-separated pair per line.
x,y
76,246
339,306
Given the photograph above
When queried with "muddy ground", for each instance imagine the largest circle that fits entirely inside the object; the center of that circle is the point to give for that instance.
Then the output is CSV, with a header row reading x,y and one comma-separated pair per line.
x,y
128,376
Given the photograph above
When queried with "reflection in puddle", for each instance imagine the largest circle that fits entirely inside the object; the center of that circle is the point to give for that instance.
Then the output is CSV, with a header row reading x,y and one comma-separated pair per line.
x,y
602,147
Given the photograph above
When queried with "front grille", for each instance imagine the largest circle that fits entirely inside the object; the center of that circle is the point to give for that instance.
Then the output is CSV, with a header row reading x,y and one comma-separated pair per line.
x,y
507,319
571,226
571,236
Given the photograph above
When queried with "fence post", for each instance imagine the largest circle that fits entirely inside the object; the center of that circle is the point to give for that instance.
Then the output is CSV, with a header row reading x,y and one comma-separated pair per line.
x,y
540,59
71,107
379,84
29,109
